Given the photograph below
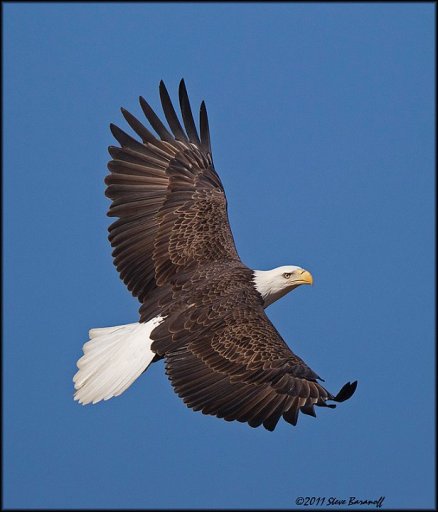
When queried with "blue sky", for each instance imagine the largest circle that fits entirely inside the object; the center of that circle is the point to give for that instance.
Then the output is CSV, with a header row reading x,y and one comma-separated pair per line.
x,y
322,124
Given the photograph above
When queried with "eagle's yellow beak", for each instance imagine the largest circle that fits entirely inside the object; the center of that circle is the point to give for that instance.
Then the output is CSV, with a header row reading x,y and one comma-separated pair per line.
x,y
305,277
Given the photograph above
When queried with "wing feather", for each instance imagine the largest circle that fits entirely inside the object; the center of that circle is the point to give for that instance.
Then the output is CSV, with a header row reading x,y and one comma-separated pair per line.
x,y
169,199
170,114
155,122
187,115
138,127
234,364
204,129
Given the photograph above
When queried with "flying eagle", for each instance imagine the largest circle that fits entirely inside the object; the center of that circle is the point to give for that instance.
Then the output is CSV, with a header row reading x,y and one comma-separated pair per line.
x,y
202,309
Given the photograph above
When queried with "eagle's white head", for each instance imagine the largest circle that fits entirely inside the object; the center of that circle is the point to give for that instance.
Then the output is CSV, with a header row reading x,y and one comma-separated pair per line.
x,y
273,284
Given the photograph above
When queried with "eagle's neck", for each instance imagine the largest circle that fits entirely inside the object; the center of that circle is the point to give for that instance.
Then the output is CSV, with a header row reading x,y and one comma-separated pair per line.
x,y
266,284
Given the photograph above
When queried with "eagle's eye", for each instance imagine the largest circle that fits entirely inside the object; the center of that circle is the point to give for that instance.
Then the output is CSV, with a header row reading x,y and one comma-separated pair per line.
x,y
286,275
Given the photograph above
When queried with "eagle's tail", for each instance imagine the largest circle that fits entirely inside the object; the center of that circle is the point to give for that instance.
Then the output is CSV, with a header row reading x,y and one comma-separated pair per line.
x,y
113,358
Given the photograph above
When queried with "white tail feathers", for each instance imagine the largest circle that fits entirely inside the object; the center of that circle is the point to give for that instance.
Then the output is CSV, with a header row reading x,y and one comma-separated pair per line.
x,y
113,358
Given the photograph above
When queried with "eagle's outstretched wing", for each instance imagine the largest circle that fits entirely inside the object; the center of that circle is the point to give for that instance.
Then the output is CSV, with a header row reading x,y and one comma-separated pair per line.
x,y
169,199
229,361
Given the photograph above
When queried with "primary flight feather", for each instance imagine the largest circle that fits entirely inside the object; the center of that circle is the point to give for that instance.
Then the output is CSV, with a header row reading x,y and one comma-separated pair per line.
x,y
202,309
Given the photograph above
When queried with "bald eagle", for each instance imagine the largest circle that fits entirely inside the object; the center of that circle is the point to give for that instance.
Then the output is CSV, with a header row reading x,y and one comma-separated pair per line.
x,y
202,309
